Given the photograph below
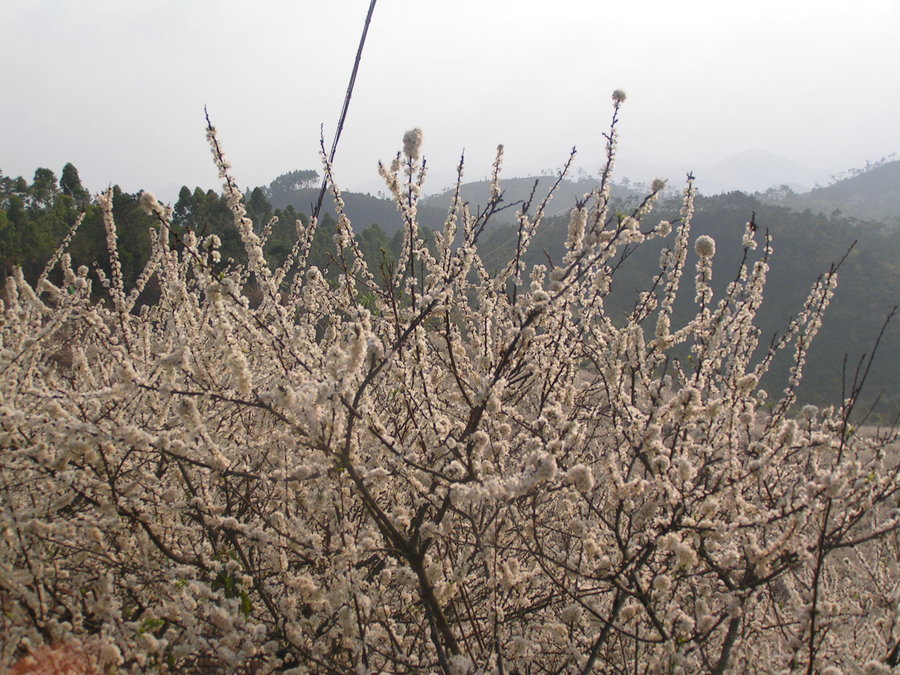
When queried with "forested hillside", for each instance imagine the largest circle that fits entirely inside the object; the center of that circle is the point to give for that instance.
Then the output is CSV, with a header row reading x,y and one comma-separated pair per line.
x,y
871,193
36,215
299,190
805,245
530,189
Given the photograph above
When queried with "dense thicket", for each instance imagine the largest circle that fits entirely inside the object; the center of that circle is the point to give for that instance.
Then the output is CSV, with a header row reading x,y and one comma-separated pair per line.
x,y
805,245
458,469
35,217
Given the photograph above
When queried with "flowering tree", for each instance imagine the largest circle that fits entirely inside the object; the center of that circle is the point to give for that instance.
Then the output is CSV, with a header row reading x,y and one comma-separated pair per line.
x,y
432,467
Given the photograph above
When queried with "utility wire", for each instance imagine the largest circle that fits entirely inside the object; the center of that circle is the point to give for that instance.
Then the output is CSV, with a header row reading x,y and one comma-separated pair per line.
x,y
343,117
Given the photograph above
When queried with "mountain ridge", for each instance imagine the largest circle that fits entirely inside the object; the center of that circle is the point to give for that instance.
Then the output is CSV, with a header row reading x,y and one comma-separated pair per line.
x,y
871,194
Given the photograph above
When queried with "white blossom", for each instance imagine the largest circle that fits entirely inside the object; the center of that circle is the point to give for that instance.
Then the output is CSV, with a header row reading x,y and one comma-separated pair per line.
x,y
450,468
705,246
581,477
412,143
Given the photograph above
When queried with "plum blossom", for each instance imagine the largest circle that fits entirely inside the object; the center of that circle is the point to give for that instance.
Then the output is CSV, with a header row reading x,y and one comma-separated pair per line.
x,y
705,246
445,465
581,477
412,143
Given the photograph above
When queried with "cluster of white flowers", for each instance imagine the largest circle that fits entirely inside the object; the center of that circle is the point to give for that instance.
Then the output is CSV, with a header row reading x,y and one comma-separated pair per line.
x,y
705,246
412,144
454,471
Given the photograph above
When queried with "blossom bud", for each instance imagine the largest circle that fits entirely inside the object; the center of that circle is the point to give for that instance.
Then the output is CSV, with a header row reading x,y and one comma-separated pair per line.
x,y
412,143
705,246
581,477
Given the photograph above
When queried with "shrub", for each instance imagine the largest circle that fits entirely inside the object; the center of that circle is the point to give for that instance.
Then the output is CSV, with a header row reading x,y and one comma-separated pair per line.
x,y
448,470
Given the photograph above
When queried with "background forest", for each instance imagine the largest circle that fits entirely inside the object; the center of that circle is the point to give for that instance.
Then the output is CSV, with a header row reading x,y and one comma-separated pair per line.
x,y
810,231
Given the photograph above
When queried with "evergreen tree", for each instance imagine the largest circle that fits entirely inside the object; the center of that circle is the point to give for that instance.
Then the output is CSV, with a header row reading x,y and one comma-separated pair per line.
x,y
44,186
70,185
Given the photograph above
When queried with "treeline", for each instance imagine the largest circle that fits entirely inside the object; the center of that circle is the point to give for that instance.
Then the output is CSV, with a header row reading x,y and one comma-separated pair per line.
x,y
805,245
871,193
35,217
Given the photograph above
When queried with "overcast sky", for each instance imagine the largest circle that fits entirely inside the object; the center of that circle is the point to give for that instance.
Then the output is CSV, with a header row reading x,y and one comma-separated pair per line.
x,y
117,87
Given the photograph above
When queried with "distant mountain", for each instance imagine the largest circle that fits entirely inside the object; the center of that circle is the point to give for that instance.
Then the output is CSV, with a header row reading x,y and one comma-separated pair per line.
x,y
630,170
516,191
365,209
873,194
362,209
748,171
759,170
870,195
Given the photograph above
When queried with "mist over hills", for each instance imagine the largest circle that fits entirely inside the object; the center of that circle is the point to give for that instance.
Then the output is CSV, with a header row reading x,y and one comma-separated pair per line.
x,y
365,209
529,190
872,194
805,245
747,171
758,170
869,194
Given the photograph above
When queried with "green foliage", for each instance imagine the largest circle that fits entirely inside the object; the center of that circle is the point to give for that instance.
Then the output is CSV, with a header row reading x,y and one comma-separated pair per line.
x,y
228,580
291,181
44,186
34,219
70,184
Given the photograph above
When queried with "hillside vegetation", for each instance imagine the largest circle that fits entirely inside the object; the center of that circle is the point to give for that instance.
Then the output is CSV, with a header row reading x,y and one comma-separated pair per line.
x,y
34,218
805,244
868,194
468,459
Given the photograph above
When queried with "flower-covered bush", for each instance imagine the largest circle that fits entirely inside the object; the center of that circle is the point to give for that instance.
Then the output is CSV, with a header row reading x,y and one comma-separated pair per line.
x,y
432,467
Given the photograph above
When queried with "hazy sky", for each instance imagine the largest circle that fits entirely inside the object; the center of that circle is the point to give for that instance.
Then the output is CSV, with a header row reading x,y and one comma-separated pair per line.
x,y
117,87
